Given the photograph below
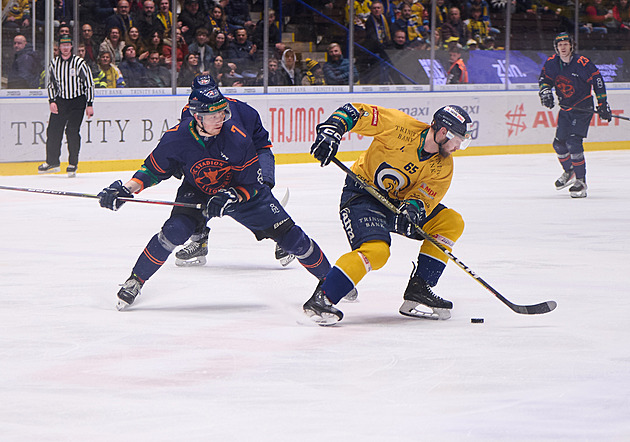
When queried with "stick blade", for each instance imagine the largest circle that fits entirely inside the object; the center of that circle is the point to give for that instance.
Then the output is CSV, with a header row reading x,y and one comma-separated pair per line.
x,y
536,309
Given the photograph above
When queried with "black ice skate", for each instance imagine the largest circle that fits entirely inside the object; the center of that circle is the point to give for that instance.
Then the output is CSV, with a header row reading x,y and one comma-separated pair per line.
x,y
128,293
421,302
194,254
284,257
321,310
578,189
47,168
565,180
71,171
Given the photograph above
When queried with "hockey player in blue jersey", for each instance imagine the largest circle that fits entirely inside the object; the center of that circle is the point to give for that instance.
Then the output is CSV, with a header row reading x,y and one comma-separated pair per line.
x,y
221,171
573,76
195,251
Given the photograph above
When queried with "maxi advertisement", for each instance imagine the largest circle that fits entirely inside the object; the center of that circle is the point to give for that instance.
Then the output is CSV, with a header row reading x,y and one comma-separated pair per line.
x,y
125,128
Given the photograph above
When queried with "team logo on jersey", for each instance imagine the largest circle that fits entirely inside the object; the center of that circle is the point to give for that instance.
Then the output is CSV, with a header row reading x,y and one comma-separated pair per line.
x,y
390,179
564,86
211,175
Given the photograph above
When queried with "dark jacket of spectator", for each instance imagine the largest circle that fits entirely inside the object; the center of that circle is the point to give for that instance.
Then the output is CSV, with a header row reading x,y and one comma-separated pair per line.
x,y
147,24
240,54
158,76
237,12
134,72
192,18
25,70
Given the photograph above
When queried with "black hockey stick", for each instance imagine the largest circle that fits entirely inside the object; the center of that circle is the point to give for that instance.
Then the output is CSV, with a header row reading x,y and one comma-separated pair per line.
x,y
536,309
88,195
592,111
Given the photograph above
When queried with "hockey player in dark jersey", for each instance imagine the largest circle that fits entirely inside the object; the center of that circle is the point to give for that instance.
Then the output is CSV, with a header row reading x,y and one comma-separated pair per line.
x,y
194,253
573,76
221,171
410,162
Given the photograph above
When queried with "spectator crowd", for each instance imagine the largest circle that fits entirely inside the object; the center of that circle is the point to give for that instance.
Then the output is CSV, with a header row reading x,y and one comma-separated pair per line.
x,y
129,43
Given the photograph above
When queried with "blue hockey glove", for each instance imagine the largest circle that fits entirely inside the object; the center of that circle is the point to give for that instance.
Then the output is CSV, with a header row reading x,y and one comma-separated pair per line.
x,y
221,202
603,110
108,197
546,97
327,142
412,213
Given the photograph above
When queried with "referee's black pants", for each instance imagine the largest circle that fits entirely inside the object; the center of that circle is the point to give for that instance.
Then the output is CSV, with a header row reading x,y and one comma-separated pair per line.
x,y
69,116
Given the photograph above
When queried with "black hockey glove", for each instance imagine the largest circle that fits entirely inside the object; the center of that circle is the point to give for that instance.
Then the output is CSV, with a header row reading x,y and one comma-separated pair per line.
x,y
412,213
327,142
603,110
221,202
546,97
108,197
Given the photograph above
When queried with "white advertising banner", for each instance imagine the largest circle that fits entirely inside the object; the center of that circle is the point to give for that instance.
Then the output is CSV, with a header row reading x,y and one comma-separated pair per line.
x,y
130,127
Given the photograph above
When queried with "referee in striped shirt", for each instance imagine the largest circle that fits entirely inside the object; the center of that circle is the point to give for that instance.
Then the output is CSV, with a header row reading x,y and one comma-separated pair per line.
x,y
70,93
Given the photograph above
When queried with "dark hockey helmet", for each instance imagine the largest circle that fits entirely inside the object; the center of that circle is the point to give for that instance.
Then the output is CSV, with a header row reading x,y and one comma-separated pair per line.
x,y
203,81
456,120
563,36
207,101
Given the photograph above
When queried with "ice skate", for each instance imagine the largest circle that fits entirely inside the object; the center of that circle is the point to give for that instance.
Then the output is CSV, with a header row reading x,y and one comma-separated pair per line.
x,y
421,302
284,257
128,293
565,180
47,168
194,254
351,296
578,190
71,171
321,310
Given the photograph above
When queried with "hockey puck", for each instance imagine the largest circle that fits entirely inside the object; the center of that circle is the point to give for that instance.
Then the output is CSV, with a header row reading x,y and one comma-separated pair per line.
x,y
476,320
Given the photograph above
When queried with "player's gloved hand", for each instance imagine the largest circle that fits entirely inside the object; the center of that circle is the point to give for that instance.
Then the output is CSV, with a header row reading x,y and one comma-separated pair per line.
x,y
412,213
603,110
327,142
108,197
546,97
220,202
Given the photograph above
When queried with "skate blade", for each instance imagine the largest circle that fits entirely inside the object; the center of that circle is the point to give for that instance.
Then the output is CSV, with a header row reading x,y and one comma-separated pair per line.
x,y
53,170
121,305
193,262
351,296
286,260
412,310
568,183
325,319
581,194
72,174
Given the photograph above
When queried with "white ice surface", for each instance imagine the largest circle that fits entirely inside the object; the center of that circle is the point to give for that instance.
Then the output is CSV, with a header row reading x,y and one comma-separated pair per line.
x,y
223,353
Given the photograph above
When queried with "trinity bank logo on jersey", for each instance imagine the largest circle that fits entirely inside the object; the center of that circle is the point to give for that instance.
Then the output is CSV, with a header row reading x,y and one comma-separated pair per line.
x,y
210,175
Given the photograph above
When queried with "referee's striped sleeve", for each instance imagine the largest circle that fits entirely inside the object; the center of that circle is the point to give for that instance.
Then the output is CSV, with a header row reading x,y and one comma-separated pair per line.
x,y
85,74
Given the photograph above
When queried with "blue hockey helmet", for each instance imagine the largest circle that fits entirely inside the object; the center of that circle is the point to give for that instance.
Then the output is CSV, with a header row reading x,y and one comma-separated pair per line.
x,y
207,101
203,81
563,36
457,122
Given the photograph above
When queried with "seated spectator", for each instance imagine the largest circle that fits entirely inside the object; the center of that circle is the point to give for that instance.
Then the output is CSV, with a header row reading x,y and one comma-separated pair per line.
x,y
290,74
399,41
109,75
165,18
274,76
457,72
361,12
190,19
218,22
314,74
91,45
237,14
189,70
82,53
475,26
441,14
219,69
241,52
337,68
621,14
134,72
64,30
485,13
121,19
133,39
599,17
181,49
146,20
157,74
26,67
219,43
454,27
114,45
201,47
377,40
409,23
156,44
16,14
275,36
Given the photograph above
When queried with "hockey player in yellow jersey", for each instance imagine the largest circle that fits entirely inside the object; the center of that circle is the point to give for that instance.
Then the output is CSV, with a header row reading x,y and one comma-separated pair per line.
x,y
410,162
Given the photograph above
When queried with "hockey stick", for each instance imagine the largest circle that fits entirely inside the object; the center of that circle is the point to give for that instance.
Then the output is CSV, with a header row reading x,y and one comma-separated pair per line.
x,y
536,309
88,195
592,111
